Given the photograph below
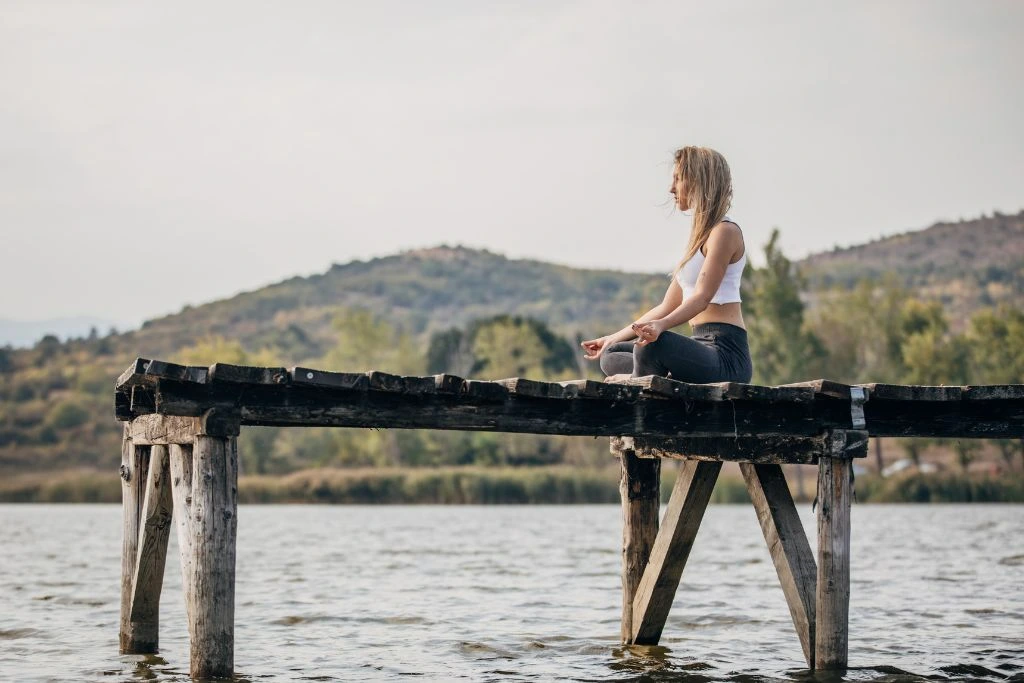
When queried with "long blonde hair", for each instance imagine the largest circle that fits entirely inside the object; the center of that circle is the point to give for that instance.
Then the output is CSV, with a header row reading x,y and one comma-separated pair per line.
x,y
708,193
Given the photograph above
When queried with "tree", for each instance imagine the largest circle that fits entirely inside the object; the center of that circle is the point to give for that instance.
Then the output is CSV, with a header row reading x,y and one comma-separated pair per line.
x,y
369,342
996,346
782,347
507,346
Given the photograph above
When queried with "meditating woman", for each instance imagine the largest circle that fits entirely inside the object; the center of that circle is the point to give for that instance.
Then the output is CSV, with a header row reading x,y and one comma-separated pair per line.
x,y
704,291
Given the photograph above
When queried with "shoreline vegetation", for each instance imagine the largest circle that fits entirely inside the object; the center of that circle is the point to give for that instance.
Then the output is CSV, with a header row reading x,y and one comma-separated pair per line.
x,y
475,485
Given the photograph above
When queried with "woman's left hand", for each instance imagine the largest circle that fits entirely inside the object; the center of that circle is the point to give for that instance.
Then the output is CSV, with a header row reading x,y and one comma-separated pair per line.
x,y
648,332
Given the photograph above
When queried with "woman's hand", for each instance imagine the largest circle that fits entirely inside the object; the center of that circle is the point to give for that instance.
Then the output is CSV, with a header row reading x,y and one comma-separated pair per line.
x,y
594,348
648,332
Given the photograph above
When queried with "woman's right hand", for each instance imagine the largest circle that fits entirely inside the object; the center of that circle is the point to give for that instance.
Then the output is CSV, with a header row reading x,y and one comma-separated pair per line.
x,y
594,348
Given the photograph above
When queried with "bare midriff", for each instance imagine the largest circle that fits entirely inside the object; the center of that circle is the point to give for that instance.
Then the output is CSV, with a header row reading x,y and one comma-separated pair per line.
x,y
720,313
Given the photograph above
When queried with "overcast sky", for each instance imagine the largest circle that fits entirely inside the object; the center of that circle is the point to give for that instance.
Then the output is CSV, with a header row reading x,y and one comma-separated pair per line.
x,y
158,154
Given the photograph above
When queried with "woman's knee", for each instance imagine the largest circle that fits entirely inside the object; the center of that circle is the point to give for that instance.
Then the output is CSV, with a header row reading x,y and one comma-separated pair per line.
x,y
647,359
616,363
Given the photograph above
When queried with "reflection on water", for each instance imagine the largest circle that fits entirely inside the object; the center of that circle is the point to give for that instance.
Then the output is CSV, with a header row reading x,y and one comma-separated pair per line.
x,y
517,593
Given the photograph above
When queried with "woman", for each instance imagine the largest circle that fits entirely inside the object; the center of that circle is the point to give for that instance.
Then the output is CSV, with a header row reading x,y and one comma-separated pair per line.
x,y
704,291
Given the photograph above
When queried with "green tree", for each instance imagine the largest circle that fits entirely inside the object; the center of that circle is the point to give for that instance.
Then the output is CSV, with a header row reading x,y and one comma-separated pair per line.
x,y
929,354
507,346
782,347
369,342
996,346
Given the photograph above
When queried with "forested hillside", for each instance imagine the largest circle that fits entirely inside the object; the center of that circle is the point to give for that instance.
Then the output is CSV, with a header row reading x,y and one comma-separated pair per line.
x,y
912,308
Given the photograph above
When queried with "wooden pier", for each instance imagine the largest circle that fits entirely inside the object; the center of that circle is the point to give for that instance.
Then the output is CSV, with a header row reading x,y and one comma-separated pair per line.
x,y
180,463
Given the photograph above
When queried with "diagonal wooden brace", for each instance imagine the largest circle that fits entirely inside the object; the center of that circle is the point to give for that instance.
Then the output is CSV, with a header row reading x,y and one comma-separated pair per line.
x,y
787,543
690,497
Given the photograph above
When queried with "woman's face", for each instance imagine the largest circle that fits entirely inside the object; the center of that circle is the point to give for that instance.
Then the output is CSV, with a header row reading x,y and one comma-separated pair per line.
x,y
678,189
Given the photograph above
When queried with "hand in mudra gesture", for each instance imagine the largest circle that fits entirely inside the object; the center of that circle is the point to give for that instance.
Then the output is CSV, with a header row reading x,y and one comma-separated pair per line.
x,y
594,348
648,332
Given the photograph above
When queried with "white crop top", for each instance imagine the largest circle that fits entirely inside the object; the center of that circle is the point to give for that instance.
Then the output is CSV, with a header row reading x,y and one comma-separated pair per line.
x,y
728,292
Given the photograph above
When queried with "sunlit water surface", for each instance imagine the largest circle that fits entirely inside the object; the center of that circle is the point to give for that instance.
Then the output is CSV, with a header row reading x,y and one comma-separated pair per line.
x,y
516,593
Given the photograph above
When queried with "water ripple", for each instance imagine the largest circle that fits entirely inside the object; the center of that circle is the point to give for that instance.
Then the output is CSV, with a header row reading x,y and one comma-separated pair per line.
x,y
518,594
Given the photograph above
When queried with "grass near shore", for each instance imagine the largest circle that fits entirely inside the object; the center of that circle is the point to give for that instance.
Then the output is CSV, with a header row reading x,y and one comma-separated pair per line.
x,y
559,484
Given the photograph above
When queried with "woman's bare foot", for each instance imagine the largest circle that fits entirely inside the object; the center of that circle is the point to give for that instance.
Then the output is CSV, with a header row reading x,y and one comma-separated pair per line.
x,y
617,379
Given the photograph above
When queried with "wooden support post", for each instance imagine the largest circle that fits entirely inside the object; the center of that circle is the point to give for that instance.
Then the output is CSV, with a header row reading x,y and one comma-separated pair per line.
x,y
689,500
205,504
134,464
787,543
639,486
833,598
155,527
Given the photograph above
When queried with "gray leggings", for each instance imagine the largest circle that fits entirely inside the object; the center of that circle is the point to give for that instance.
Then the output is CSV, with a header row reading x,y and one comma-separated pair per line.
x,y
717,352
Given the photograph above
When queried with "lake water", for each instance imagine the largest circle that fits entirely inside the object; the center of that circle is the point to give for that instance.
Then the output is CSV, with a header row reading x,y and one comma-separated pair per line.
x,y
516,593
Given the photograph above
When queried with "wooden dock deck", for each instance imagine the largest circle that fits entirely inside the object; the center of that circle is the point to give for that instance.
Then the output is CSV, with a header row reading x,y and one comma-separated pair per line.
x,y
180,463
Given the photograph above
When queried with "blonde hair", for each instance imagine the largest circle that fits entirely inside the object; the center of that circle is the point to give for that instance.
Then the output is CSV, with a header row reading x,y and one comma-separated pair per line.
x,y
708,193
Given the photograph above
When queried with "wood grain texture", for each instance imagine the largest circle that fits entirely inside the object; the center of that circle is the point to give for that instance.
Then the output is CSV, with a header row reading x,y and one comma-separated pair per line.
x,y
134,465
180,456
154,429
212,568
787,543
646,406
639,488
685,510
155,528
762,448
832,604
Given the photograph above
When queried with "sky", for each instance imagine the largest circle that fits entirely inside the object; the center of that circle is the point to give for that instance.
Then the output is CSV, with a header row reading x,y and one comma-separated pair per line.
x,y
154,155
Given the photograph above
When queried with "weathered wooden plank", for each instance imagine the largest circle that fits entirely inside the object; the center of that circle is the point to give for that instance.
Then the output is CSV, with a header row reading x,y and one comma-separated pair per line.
x,y
832,604
993,419
532,388
787,543
133,374
824,387
143,400
183,373
212,564
397,384
847,443
122,405
482,390
901,392
753,392
685,510
655,385
607,391
354,381
763,448
244,374
147,430
639,488
993,392
147,581
449,384
134,464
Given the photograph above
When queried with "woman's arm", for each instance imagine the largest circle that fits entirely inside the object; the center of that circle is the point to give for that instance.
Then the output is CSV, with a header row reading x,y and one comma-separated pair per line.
x,y
723,242
672,299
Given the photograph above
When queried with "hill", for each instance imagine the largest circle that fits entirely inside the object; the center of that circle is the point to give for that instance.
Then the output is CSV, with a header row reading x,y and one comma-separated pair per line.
x,y
423,291
55,398
964,265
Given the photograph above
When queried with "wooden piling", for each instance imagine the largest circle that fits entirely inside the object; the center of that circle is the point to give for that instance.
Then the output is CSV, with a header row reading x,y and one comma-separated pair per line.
x,y
690,497
154,531
639,486
135,637
205,504
832,606
788,545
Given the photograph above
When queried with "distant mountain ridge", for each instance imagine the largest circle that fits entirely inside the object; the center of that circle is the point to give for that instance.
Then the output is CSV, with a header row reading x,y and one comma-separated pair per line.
x,y
964,264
